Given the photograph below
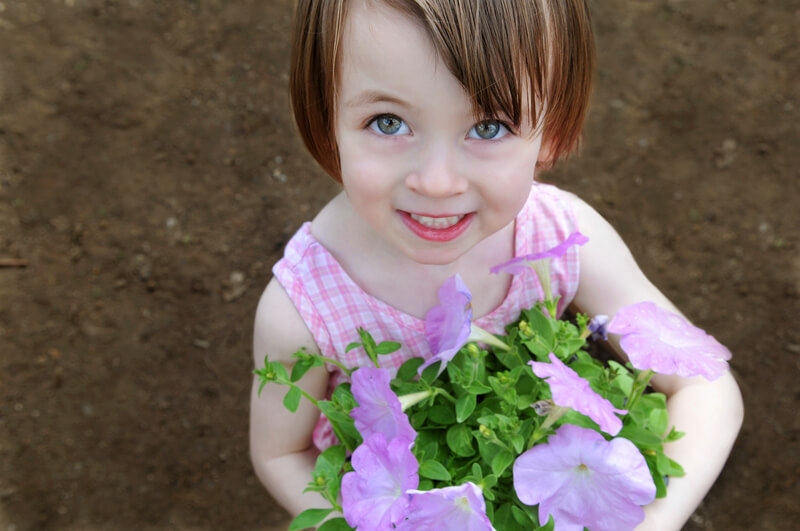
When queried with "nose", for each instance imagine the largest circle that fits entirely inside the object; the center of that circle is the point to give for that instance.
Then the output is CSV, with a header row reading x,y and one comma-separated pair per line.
x,y
437,174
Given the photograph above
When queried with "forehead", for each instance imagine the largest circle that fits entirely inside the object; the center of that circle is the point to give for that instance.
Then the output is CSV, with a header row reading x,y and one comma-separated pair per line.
x,y
379,37
385,50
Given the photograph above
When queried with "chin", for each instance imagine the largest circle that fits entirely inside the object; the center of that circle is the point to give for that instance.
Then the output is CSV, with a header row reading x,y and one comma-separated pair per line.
x,y
436,257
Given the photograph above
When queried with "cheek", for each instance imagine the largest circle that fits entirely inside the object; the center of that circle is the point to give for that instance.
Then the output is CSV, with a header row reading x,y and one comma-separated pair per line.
x,y
364,176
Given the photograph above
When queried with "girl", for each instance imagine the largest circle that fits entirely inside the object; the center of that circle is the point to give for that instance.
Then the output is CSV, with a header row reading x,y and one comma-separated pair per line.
x,y
435,115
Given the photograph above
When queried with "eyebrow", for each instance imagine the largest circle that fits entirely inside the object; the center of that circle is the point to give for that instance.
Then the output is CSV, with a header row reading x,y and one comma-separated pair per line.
x,y
369,97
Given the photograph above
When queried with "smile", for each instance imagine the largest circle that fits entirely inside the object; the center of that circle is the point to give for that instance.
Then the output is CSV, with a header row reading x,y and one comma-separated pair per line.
x,y
436,228
436,222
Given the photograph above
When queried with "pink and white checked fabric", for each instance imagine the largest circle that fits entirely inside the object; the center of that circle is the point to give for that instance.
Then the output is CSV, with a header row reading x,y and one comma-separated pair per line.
x,y
333,306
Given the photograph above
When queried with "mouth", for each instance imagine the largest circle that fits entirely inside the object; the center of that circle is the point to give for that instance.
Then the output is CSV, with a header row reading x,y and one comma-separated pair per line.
x,y
436,228
433,222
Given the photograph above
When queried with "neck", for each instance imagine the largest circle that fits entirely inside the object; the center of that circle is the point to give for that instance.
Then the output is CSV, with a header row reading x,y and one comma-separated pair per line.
x,y
392,277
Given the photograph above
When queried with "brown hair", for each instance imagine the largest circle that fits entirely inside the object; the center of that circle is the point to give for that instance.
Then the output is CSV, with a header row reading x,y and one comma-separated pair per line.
x,y
497,49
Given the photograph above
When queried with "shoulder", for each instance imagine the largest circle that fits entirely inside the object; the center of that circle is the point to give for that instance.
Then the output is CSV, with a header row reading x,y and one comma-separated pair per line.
x,y
609,275
279,330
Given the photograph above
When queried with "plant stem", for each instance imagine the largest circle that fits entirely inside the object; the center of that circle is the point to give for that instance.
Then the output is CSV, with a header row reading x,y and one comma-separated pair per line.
x,y
555,413
347,371
639,385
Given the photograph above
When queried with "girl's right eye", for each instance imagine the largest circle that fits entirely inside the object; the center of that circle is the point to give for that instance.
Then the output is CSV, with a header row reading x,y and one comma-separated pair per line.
x,y
389,125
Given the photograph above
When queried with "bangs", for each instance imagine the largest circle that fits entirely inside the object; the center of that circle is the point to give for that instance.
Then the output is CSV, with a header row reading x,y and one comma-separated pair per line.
x,y
514,58
496,50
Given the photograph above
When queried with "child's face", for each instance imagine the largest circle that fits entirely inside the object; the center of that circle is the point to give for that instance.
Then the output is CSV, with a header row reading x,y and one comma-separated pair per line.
x,y
415,165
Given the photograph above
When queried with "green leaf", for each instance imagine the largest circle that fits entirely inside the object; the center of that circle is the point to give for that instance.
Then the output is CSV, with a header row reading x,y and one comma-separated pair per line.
x,y
541,324
658,420
434,470
309,518
518,442
641,437
521,517
501,461
431,372
300,369
504,519
465,405
588,371
478,388
343,397
335,524
351,346
408,370
387,347
459,439
418,419
567,348
674,435
668,467
367,341
343,425
292,399
279,369
330,462
658,479
442,415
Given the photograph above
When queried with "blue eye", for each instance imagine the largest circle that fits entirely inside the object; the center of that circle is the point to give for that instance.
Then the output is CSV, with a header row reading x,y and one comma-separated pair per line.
x,y
488,130
388,124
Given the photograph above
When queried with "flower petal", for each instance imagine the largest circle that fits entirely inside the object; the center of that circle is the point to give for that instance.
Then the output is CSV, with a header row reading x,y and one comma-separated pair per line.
x,y
654,338
457,508
447,325
519,264
583,480
379,410
571,390
373,495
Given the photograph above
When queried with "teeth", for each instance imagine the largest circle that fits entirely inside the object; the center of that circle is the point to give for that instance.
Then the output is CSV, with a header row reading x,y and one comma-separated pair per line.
x,y
436,223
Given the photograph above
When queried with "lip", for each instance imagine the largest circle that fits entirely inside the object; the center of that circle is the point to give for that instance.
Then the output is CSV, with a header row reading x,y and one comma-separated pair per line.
x,y
436,235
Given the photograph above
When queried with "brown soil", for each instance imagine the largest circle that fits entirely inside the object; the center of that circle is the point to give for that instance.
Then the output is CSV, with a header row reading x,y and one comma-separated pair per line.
x,y
150,175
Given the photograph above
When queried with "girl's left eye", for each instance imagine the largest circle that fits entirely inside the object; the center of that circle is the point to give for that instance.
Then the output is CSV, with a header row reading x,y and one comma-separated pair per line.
x,y
488,130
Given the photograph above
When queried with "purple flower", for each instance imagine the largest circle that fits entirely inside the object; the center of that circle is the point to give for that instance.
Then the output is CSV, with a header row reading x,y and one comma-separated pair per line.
x,y
373,495
654,338
598,326
459,508
447,325
570,390
521,263
379,409
582,480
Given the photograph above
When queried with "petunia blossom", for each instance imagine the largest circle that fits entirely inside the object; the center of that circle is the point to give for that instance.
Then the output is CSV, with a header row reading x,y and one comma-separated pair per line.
x,y
521,263
373,495
379,410
571,390
448,325
657,339
598,326
540,263
582,480
458,508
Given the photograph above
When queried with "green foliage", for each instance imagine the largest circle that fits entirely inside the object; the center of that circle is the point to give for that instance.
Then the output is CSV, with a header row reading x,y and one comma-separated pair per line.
x,y
476,416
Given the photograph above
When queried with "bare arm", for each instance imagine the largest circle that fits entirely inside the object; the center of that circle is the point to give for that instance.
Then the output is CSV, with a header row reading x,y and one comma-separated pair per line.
x,y
280,441
710,413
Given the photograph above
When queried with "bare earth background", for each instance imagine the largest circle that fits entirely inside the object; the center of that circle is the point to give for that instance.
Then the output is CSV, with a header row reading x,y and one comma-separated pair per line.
x,y
150,176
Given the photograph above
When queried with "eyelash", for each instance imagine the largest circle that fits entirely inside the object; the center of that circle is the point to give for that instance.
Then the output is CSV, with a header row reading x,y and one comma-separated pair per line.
x,y
509,129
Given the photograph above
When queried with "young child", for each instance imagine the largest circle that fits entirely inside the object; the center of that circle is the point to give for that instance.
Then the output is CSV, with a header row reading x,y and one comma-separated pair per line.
x,y
435,115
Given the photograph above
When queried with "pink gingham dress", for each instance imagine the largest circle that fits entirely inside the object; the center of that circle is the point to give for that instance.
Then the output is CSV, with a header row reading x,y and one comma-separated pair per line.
x,y
333,306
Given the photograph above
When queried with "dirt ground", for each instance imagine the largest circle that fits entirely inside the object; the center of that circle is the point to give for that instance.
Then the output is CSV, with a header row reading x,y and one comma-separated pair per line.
x,y
150,176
